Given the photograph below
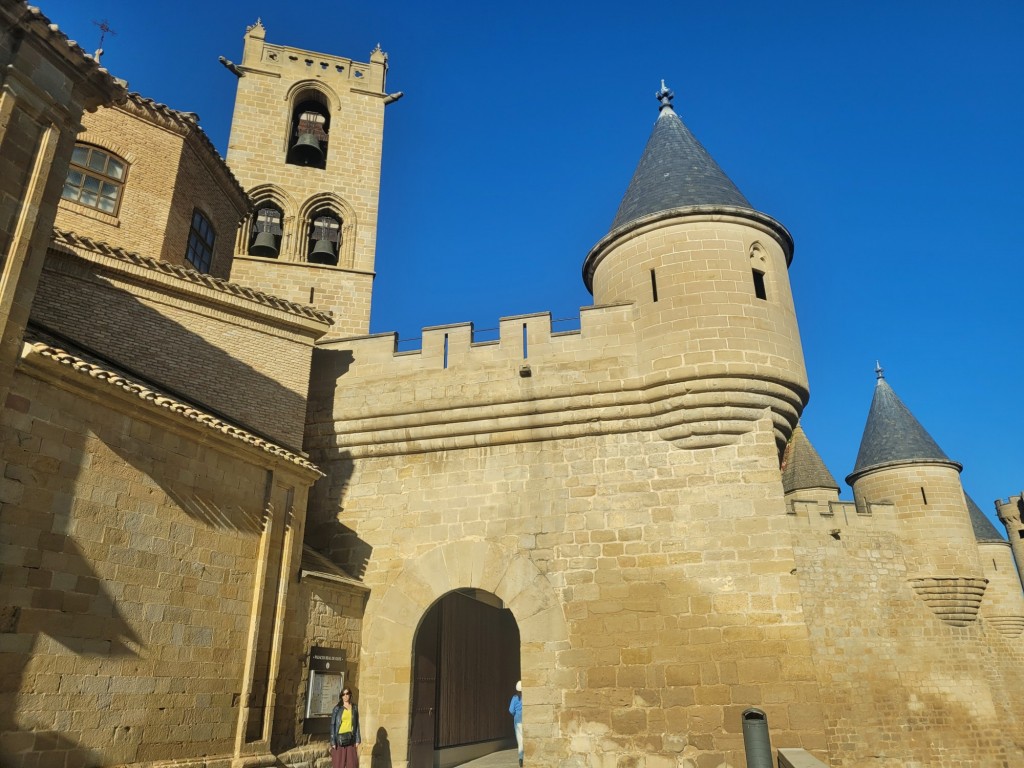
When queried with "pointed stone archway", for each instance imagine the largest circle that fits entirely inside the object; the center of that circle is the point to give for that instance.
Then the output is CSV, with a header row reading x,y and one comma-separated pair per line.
x,y
392,618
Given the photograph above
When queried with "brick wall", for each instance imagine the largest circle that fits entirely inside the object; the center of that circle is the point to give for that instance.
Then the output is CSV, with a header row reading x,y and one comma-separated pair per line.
x,y
249,363
169,175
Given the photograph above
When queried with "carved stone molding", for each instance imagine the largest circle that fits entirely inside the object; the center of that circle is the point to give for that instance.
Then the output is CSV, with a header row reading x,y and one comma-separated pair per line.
x,y
954,599
1008,626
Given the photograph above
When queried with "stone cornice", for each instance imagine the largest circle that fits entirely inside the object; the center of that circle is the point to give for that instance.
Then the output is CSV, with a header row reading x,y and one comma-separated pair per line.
x,y
853,477
686,214
56,363
85,246
695,412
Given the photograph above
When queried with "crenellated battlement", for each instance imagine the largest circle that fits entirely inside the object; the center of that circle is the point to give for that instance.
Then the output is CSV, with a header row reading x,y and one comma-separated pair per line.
x,y
531,383
522,340
822,514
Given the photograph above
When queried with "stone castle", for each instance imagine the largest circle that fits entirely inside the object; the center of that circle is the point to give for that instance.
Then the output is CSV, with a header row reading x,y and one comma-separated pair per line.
x,y
222,499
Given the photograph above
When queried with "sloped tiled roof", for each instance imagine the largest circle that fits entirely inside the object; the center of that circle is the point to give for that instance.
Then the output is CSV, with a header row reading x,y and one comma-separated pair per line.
x,y
984,530
73,240
39,344
893,434
675,171
802,467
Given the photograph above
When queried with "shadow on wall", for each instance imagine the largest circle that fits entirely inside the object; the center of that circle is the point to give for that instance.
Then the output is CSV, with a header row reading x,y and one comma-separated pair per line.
x,y
325,530
111,323
380,757
74,524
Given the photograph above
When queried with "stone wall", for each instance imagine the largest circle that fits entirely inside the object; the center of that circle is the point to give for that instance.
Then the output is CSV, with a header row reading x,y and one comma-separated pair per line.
x,y
322,611
128,554
47,82
652,584
344,293
654,604
901,687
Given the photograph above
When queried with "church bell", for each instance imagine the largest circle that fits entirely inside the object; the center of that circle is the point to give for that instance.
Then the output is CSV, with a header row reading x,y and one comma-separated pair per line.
x,y
307,150
265,244
322,253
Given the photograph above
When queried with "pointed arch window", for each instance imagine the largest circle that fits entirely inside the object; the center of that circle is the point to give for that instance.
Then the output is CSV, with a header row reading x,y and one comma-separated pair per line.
x,y
95,179
265,239
324,238
310,127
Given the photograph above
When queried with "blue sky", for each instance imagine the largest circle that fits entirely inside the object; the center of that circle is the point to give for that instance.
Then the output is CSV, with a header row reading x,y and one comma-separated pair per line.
x,y
886,136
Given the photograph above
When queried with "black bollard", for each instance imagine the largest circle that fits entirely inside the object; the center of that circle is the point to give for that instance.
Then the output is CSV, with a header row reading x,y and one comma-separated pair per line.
x,y
756,742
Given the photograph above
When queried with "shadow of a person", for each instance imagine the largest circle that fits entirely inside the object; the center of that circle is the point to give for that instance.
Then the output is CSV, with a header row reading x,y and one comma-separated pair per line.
x,y
380,756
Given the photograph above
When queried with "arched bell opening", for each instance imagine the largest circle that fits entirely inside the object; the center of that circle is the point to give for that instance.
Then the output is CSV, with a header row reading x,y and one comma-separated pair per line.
x,y
324,238
265,237
311,124
466,662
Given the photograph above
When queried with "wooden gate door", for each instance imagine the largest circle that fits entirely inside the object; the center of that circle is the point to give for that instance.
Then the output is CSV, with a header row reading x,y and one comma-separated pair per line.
x,y
422,733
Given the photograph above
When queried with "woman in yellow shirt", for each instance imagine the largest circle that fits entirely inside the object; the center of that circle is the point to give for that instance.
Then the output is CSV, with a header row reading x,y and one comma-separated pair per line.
x,y
345,738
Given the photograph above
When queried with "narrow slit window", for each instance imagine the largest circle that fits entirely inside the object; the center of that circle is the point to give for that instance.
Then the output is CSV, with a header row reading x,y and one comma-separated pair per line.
x,y
759,287
526,342
654,286
924,496
446,351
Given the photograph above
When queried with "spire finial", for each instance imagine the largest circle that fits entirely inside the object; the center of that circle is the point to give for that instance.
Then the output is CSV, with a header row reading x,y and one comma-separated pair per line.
x,y
879,370
105,30
665,96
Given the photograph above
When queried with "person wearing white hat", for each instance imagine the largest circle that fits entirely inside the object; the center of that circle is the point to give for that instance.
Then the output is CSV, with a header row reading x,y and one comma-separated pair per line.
x,y
515,708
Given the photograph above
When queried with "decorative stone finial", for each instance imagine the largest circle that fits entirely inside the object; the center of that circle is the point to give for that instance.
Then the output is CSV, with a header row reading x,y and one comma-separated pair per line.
x,y
257,29
665,96
879,370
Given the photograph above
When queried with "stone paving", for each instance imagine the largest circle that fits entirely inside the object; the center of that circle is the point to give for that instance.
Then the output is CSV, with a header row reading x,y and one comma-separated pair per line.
x,y
506,758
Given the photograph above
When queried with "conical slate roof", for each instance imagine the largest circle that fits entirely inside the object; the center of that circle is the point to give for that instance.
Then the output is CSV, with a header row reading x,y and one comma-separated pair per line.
x,y
984,530
675,171
802,467
893,434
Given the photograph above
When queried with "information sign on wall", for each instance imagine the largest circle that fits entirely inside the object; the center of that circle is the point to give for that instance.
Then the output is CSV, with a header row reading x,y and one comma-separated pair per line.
x,y
326,680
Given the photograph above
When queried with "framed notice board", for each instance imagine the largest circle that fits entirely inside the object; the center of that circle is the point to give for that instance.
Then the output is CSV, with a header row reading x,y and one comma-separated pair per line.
x,y
323,687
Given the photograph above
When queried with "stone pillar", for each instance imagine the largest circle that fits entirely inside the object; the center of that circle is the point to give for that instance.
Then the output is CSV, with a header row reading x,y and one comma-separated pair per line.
x,y
45,85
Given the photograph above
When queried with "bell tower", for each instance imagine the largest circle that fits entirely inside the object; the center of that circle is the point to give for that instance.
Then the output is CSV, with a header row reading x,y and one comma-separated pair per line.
x,y
305,144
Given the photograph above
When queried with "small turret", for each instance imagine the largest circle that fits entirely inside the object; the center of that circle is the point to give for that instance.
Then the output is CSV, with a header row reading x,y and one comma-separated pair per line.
x,y
707,276
1011,514
1004,602
900,463
804,473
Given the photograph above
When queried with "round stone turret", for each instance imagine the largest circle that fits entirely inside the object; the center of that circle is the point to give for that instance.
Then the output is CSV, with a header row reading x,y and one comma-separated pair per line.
x,y
899,463
707,275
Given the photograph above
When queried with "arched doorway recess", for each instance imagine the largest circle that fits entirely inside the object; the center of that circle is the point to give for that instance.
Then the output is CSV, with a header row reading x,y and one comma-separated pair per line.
x,y
394,613
466,663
